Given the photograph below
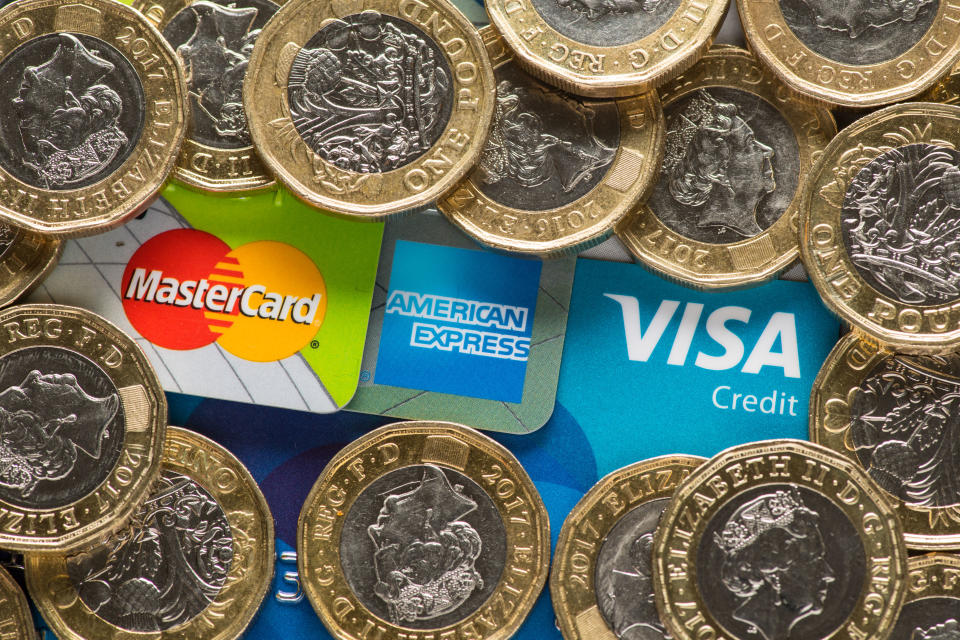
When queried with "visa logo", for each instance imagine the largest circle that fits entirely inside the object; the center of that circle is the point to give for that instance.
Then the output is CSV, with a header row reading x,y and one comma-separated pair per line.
x,y
720,326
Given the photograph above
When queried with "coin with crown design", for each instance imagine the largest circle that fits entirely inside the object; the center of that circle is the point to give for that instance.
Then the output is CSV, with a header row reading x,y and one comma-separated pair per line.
x,y
779,539
607,49
369,107
880,227
96,113
724,209
83,418
931,610
894,415
214,40
854,54
423,529
601,582
16,621
557,171
195,562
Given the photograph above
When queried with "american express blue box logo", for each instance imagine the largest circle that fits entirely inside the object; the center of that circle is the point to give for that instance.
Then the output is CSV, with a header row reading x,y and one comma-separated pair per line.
x,y
447,330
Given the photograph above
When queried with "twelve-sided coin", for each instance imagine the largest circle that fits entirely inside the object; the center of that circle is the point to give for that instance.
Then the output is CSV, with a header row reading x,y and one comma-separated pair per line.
x,y
932,608
880,226
195,562
602,578
894,415
368,109
16,622
26,258
96,114
779,539
557,171
725,206
214,40
607,49
422,529
857,53
83,417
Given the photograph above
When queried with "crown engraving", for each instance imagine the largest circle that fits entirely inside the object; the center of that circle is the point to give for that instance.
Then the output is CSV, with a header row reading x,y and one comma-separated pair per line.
x,y
769,511
76,18
700,113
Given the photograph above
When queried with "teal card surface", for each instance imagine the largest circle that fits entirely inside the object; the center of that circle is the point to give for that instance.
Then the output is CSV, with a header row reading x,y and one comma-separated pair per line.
x,y
651,368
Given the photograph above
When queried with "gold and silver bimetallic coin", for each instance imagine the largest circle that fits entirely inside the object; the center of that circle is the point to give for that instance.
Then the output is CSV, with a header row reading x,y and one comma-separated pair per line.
x,y
779,539
16,622
214,40
894,415
932,608
369,108
601,583
557,171
607,49
84,418
880,226
95,114
423,529
725,208
26,258
855,54
195,562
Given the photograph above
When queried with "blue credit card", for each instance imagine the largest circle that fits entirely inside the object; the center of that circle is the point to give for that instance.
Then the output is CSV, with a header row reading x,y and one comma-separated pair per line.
x,y
618,403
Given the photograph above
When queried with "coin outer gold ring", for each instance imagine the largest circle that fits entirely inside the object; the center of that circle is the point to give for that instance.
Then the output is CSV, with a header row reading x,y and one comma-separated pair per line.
x,y
368,195
933,575
15,619
109,507
446,445
848,364
212,170
572,581
607,72
251,570
589,219
906,328
777,462
123,194
825,80
26,263
946,90
705,265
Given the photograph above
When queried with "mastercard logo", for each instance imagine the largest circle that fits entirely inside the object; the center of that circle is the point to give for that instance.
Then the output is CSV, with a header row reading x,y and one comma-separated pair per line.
x,y
186,289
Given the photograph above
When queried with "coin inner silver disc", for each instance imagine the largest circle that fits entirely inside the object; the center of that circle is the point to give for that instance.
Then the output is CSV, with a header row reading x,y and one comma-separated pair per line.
x,y
606,23
423,547
905,428
74,111
935,618
166,568
546,149
623,579
780,562
731,166
61,427
214,40
370,93
901,223
860,32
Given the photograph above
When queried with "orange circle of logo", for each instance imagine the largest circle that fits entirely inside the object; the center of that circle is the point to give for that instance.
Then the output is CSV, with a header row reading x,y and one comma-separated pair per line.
x,y
263,301
282,306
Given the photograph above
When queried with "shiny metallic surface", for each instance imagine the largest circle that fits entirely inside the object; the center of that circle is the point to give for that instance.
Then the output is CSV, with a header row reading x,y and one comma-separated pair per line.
x,y
731,167
68,139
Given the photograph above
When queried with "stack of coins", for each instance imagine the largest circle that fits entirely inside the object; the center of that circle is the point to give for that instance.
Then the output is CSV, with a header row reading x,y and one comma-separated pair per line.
x,y
561,123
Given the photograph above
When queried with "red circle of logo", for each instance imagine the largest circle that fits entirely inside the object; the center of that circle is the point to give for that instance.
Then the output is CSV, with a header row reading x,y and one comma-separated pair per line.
x,y
160,287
